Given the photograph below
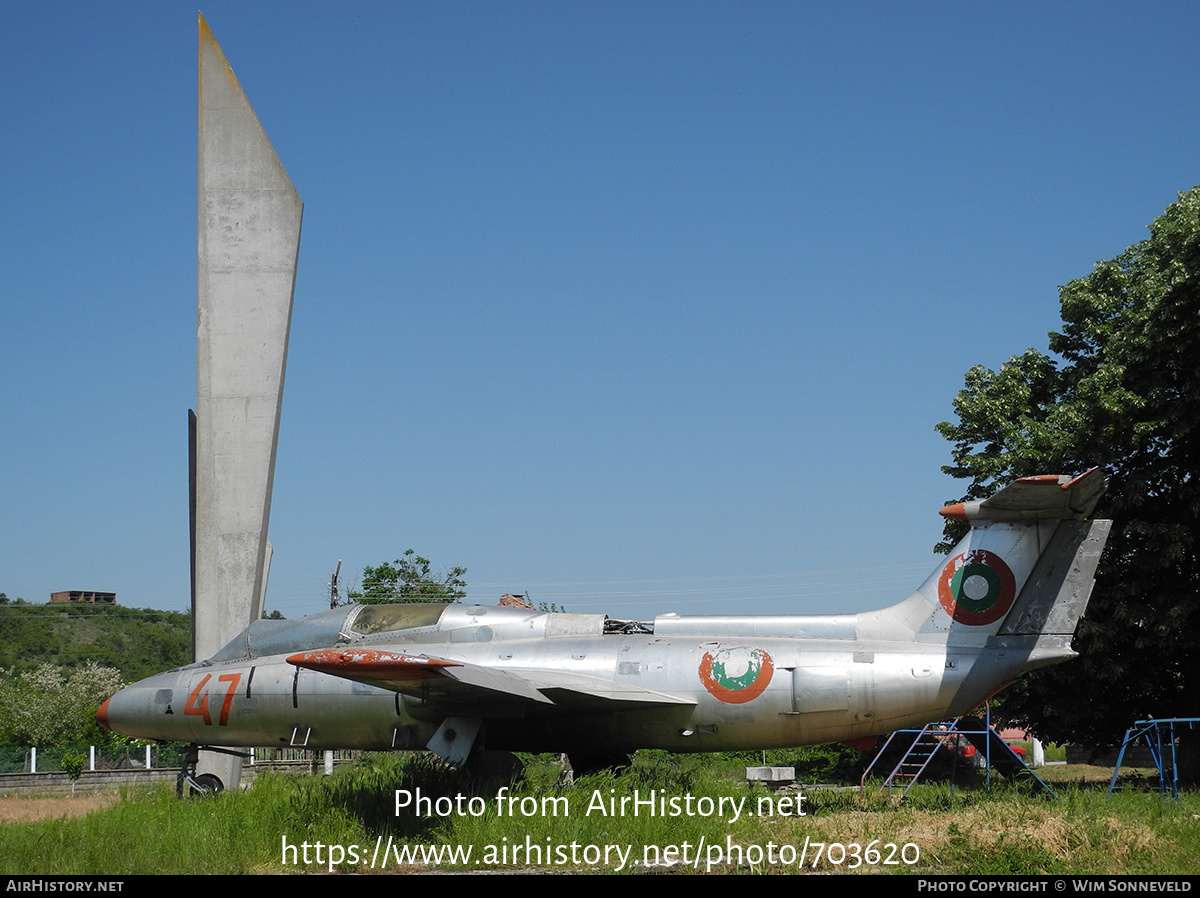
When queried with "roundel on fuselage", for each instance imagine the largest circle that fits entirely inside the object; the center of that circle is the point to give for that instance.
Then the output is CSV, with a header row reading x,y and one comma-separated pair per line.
x,y
977,588
737,674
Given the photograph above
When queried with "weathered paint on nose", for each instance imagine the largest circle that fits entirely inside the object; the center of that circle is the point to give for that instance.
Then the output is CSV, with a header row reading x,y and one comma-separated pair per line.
x,y
102,714
128,712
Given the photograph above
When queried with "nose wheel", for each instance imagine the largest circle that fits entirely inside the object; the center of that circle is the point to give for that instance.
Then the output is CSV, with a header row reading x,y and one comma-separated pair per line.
x,y
192,784
204,785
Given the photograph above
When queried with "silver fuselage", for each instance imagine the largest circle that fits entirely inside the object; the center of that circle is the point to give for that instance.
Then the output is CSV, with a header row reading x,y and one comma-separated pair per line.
x,y
827,681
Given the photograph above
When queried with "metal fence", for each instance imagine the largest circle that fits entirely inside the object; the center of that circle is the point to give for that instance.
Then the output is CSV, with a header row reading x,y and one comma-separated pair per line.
x,y
136,757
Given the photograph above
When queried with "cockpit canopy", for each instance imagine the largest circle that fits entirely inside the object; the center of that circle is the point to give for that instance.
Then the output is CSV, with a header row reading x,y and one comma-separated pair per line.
x,y
338,625
415,624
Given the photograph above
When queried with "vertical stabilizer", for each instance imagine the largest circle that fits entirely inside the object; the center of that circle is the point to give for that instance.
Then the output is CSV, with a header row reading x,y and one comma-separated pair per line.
x,y
1026,567
248,240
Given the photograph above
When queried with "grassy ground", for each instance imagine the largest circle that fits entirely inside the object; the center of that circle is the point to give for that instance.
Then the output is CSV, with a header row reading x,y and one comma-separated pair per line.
x,y
933,831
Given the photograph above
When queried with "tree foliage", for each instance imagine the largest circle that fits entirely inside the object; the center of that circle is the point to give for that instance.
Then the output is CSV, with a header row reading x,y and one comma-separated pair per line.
x,y
51,706
410,579
137,641
1121,389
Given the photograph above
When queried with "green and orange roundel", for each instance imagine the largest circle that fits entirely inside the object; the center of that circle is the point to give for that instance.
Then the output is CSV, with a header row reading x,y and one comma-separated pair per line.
x,y
737,674
977,588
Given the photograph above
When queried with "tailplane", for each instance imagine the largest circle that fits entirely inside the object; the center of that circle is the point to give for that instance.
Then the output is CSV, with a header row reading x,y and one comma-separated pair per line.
x,y
1025,568
1041,497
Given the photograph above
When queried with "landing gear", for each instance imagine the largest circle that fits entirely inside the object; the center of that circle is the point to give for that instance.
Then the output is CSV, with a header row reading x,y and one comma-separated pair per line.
x,y
206,784
201,785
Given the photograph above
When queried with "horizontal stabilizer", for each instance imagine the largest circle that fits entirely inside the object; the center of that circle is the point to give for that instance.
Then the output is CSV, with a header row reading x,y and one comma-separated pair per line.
x,y
1045,497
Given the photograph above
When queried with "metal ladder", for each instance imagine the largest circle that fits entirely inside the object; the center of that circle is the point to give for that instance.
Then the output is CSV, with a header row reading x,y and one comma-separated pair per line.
x,y
926,743
933,736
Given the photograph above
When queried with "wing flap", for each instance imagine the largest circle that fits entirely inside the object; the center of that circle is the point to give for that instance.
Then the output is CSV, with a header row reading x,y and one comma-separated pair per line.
x,y
577,691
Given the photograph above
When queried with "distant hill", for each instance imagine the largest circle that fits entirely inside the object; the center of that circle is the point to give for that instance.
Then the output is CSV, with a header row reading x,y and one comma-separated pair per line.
x,y
137,641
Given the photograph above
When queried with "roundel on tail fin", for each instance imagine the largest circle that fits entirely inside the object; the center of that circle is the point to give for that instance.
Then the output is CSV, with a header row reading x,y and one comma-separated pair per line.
x,y
977,588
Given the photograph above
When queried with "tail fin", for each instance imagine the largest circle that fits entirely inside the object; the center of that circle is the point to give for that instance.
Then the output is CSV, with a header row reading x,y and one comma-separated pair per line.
x,y
1026,567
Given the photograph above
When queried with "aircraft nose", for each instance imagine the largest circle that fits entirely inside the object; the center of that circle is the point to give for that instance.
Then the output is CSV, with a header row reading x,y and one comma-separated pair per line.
x,y
102,714
120,712
144,710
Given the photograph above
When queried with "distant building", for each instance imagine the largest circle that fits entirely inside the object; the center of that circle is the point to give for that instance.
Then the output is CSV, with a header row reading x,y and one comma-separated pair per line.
x,y
509,600
85,595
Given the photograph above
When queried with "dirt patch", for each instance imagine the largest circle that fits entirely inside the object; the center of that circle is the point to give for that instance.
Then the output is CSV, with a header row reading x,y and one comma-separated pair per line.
x,y
22,809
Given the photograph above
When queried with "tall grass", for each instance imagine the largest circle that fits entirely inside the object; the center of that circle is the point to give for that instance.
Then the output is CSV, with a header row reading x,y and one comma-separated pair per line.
x,y
969,831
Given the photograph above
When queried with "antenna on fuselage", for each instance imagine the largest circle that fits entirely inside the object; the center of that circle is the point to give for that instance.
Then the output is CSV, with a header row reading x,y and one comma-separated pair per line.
x,y
333,585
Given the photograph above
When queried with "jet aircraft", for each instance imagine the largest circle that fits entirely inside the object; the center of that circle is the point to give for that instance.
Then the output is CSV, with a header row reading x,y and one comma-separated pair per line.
x,y
453,678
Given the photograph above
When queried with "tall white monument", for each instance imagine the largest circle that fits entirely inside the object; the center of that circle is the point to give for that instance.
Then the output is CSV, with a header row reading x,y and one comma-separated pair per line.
x,y
247,245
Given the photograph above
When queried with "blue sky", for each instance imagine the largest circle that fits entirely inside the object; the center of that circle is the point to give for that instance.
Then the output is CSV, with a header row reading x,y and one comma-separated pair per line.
x,y
636,306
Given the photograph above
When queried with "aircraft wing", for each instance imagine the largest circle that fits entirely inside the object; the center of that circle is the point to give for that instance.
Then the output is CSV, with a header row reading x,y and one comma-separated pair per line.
x,y
421,676
454,682
576,691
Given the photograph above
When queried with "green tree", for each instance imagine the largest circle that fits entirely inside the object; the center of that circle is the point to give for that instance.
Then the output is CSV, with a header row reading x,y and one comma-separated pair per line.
x,y
1121,390
410,579
73,764
52,706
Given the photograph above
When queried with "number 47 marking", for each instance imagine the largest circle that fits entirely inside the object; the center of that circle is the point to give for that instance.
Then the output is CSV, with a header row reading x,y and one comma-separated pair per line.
x,y
197,702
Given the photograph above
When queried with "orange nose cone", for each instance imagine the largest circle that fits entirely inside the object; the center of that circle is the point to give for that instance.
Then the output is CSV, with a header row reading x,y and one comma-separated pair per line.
x,y
955,511
102,714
